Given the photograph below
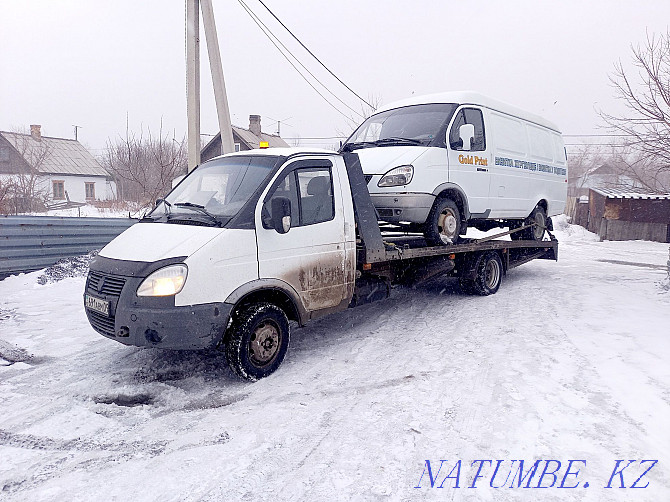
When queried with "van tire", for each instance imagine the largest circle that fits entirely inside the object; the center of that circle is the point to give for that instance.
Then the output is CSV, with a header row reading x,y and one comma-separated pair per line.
x,y
538,216
488,273
536,233
257,341
443,225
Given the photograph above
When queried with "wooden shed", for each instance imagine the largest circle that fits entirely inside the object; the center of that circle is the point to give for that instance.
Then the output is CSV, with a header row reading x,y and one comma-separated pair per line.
x,y
619,215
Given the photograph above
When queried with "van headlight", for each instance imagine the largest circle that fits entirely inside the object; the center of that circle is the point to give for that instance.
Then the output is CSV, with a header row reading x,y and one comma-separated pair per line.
x,y
167,281
398,176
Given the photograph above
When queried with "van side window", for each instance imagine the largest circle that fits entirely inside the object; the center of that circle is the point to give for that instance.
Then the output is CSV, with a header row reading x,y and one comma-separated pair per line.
x,y
310,191
468,116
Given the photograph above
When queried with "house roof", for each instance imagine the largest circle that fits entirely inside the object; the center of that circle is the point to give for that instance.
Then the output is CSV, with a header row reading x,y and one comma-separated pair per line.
x,y
614,193
63,156
250,139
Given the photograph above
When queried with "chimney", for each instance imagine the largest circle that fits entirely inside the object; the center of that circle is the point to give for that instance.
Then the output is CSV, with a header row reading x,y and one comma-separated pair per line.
x,y
36,132
255,124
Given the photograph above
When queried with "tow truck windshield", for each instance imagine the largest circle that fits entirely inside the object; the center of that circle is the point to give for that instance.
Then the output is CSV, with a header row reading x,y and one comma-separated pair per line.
x,y
216,190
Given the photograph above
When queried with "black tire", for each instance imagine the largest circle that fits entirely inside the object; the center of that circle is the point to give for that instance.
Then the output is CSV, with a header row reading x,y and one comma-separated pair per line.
x,y
535,233
257,341
443,224
539,217
488,273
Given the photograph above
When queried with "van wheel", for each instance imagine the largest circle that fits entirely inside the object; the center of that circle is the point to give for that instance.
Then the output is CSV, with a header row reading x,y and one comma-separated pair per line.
x,y
488,275
443,224
539,217
258,341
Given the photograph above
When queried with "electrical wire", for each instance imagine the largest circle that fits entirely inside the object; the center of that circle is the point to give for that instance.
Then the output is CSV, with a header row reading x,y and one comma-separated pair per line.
x,y
312,54
272,37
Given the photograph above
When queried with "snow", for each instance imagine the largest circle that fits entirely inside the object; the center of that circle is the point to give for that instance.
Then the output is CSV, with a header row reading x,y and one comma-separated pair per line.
x,y
569,360
90,212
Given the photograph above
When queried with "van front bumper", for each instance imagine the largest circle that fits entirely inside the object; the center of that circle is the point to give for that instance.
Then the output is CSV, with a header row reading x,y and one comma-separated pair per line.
x,y
397,207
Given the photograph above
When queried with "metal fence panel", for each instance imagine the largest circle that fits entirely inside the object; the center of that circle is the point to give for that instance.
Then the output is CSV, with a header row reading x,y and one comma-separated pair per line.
x,y
30,243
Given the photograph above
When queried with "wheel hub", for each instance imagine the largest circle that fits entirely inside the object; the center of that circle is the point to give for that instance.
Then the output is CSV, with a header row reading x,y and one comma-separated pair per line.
x,y
447,223
264,343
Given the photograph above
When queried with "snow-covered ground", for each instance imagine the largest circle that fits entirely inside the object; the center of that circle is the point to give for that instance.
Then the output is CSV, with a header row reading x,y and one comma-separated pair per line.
x,y
568,361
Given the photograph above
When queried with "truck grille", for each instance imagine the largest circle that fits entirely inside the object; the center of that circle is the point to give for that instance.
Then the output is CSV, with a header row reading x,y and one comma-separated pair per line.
x,y
107,286
101,322
104,284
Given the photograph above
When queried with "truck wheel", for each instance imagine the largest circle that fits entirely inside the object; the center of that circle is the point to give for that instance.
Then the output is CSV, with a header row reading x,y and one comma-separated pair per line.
x,y
443,224
258,341
489,272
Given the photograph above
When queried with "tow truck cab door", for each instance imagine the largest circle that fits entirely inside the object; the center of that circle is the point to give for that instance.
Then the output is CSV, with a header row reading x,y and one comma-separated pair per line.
x,y
310,256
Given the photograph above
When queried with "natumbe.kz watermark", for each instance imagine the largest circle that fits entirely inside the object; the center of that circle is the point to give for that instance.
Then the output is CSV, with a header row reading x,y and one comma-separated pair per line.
x,y
532,474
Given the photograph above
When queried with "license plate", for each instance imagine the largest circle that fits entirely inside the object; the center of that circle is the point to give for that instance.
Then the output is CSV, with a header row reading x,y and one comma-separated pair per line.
x,y
96,304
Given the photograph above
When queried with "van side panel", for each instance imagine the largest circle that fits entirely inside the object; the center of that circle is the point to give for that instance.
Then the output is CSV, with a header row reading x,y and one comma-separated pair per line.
x,y
509,193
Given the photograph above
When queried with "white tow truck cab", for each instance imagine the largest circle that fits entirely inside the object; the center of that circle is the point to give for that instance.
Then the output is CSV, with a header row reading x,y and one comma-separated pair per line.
x,y
443,162
250,241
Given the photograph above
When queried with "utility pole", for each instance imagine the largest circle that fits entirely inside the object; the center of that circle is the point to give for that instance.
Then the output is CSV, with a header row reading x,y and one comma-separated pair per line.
x,y
222,110
193,82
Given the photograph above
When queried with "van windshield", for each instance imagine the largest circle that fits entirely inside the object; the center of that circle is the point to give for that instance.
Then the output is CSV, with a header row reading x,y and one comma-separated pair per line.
x,y
418,124
218,189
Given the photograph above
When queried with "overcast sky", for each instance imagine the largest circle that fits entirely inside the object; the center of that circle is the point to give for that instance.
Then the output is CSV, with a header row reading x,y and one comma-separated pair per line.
x,y
93,63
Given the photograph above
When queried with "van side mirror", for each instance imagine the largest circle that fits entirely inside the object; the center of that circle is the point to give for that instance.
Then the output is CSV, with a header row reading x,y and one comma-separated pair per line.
x,y
281,214
467,134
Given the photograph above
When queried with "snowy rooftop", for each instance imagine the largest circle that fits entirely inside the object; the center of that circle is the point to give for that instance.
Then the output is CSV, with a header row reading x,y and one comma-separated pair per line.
x,y
61,156
613,193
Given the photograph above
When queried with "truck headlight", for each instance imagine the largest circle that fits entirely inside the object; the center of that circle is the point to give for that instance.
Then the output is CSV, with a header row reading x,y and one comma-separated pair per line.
x,y
167,281
398,176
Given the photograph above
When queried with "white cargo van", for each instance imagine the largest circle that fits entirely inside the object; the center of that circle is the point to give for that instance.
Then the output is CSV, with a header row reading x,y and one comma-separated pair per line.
x,y
443,162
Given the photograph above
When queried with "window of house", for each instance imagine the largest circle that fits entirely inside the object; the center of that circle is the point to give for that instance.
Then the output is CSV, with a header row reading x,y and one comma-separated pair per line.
x,y
90,190
468,116
237,147
4,154
59,189
310,191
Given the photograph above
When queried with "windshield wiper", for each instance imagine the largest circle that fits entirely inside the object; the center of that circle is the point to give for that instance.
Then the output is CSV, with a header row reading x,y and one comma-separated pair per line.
x,y
394,140
200,208
350,147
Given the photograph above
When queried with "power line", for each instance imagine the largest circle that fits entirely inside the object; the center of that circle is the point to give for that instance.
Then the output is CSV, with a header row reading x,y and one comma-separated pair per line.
x,y
312,54
268,33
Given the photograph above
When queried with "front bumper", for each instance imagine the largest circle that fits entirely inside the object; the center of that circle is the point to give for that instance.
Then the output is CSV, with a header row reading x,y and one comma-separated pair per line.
x,y
153,322
397,207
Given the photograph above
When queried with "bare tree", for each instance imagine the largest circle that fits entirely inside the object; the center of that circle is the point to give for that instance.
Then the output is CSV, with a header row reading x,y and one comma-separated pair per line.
x,y
645,90
144,168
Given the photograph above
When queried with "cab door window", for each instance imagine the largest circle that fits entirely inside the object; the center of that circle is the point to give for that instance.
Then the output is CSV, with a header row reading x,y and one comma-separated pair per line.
x,y
310,191
468,116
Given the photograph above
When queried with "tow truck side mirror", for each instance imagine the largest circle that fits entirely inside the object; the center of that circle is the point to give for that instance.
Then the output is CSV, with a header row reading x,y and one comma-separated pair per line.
x,y
281,214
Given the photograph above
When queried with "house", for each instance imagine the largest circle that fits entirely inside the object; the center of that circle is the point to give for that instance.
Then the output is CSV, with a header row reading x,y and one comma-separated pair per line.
x,y
58,169
245,139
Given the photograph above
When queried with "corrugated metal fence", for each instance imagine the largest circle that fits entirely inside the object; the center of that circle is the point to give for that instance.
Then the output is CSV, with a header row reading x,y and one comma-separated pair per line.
x,y
30,243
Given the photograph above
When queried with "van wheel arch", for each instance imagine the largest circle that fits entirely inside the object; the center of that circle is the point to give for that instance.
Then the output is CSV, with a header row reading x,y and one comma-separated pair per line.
x,y
459,199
